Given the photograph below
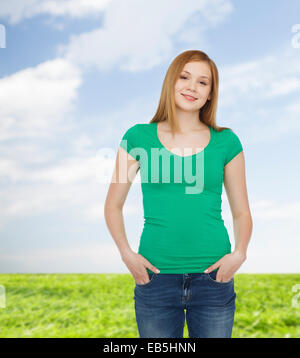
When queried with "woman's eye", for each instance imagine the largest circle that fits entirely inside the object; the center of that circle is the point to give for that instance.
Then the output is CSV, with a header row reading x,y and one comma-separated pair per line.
x,y
183,77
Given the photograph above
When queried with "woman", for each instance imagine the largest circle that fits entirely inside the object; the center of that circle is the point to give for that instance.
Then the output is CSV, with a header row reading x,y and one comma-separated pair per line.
x,y
183,158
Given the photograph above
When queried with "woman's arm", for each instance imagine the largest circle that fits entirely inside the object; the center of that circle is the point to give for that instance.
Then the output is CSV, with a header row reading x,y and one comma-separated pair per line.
x,y
126,168
124,173
236,190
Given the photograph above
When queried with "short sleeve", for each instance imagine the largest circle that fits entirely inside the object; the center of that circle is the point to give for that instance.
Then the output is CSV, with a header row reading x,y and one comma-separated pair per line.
x,y
129,141
233,146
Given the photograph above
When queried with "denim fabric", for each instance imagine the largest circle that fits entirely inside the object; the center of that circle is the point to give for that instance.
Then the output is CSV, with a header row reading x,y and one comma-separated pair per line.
x,y
163,303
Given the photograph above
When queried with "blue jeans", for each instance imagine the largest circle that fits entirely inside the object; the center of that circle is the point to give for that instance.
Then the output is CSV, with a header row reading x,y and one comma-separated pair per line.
x,y
161,303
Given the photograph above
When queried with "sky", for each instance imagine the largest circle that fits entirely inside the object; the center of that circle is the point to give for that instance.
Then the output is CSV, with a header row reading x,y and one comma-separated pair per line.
x,y
75,75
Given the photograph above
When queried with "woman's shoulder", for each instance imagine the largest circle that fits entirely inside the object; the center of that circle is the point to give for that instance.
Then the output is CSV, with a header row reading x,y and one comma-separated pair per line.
x,y
137,132
226,134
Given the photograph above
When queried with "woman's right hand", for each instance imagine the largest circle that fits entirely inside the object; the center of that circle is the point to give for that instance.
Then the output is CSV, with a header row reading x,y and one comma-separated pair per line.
x,y
137,265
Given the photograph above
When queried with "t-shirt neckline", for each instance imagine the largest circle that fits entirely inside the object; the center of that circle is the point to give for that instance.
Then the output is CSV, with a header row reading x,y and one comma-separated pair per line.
x,y
183,156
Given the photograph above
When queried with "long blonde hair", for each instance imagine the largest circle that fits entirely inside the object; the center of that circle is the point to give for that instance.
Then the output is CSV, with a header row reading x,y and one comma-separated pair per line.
x,y
166,108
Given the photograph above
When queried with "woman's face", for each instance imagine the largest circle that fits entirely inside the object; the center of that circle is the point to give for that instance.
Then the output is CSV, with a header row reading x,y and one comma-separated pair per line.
x,y
194,80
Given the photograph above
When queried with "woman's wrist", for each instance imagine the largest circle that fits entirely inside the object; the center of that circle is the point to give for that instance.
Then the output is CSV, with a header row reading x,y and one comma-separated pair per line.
x,y
241,253
126,252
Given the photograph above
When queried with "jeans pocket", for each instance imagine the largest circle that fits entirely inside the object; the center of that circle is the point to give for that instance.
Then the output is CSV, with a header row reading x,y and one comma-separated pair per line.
x,y
212,277
151,275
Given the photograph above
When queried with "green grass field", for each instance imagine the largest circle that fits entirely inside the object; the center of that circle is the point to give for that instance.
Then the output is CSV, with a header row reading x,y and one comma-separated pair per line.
x,y
102,306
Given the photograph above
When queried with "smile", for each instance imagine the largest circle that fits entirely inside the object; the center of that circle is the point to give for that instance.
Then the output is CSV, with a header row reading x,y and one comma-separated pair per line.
x,y
189,98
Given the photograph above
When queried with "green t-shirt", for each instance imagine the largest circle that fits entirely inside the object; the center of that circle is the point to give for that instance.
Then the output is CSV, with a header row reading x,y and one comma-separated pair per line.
x,y
183,231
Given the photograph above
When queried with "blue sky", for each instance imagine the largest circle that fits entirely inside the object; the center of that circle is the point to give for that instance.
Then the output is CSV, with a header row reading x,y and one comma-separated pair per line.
x,y
75,75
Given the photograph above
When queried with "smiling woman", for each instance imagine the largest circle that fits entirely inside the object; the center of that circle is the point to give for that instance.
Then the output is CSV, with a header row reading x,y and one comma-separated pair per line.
x,y
184,235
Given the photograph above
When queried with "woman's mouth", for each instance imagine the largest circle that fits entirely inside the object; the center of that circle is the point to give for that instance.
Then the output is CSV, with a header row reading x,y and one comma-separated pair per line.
x,y
189,98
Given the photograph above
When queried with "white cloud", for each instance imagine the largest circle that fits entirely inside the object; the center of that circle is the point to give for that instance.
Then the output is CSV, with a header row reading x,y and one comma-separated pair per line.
x,y
37,98
39,177
77,183
263,79
270,210
273,246
25,154
97,168
17,10
138,34
261,96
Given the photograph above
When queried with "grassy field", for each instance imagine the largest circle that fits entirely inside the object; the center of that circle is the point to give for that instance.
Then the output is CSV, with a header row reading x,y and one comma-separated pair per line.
x,y
102,305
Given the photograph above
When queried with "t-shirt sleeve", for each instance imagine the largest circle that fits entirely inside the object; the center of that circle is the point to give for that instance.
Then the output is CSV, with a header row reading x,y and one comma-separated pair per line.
x,y
233,146
129,141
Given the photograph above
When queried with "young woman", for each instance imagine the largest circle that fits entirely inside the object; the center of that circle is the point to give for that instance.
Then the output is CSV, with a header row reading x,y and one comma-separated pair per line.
x,y
184,158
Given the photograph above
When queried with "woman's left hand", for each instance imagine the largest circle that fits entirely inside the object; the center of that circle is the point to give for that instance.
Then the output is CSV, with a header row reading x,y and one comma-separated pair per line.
x,y
228,265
